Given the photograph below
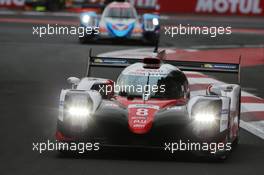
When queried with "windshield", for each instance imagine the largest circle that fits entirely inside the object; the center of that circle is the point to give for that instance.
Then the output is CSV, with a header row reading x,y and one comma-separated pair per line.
x,y
168,87
117,12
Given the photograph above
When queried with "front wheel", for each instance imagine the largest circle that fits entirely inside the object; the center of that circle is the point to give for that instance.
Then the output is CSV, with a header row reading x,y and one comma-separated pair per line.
x,y
151,38
151,41
236,141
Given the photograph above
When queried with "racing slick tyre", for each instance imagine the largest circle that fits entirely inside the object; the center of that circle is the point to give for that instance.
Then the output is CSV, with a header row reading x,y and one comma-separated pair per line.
x,y
151,39
224,156
236,141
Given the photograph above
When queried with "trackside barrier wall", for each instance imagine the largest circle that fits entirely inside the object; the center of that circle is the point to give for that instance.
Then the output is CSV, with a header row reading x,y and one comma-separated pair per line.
x,y
215,7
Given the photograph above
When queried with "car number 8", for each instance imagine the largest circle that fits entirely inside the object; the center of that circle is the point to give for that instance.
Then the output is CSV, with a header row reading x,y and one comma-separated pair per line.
x,y
142,112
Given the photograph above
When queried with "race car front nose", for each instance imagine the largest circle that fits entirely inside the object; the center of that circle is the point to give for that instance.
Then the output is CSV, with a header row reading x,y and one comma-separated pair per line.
x,y
120,30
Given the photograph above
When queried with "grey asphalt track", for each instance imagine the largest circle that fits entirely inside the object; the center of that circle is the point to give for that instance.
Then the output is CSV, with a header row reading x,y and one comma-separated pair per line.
x,y
32,72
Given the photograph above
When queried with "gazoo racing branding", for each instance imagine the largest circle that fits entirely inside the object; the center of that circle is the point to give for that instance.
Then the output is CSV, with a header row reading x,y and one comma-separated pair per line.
x,y
229,6
141,117
141,114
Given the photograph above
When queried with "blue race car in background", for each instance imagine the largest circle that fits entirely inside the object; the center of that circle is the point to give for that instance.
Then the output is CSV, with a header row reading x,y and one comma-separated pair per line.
x,y
121,21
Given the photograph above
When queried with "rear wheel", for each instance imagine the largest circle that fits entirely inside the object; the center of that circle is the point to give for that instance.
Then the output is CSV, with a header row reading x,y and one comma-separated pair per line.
x,y
222,155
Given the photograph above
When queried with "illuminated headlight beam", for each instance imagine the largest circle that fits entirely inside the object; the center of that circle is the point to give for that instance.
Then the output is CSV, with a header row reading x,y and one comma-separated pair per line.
x,y
155,21
204,118
85,19
79,111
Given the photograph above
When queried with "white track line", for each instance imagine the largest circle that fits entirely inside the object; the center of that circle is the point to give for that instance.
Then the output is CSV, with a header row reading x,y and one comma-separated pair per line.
x,y
252,107
251,127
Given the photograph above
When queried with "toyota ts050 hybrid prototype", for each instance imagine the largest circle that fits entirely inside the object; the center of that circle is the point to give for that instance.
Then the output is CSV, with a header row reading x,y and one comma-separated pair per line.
x,y
121,21
94,109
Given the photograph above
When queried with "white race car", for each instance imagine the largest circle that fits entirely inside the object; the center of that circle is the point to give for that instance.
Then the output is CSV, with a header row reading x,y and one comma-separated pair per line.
x,y
93,110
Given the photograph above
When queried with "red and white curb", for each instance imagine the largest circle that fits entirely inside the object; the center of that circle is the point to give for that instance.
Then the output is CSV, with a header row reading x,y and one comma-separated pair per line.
x,y
252,107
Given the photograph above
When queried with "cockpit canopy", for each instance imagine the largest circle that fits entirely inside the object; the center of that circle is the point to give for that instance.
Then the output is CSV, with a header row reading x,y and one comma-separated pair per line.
x,y
120,10
162,83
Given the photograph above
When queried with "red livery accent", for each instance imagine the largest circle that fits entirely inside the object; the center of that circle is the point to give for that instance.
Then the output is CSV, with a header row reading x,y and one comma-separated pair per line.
x,y
141,113
62,138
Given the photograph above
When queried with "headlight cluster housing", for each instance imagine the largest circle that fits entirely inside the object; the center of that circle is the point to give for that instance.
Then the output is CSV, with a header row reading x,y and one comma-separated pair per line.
x,y
206,111
78,107
205,116
88,20
85,19
155,21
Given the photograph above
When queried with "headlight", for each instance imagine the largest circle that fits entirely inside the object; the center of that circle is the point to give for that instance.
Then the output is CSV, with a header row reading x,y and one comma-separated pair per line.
x,y
204,117
79,111
85,19
155,21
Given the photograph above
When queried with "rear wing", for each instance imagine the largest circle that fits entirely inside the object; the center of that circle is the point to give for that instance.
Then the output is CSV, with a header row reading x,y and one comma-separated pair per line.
x,y
119,62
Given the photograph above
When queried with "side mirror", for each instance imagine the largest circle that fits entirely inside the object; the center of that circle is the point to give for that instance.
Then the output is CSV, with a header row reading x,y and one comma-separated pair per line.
x,y
213,90
73,81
